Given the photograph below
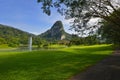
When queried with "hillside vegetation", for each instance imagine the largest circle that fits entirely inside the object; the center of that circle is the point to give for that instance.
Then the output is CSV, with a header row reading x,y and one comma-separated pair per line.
x,y
56,32
13,36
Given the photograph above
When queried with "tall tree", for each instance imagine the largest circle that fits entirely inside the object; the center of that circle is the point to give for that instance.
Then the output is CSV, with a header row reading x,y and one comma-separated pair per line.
x,y
110,31
81,11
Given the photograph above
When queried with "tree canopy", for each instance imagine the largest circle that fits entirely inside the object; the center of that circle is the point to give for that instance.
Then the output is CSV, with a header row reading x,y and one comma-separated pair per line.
x,y
110,31
81,11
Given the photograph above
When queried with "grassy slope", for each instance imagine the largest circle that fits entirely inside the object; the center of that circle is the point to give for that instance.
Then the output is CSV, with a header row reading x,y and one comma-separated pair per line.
x,y
50,64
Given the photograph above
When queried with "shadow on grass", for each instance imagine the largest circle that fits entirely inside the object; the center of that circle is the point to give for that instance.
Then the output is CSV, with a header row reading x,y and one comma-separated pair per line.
x,y
49,65
107,69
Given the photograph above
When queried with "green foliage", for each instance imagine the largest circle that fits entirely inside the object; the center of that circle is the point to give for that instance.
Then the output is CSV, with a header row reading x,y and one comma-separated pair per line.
x,y
39,42
2,41
50,64
4,46
89,40
75,40
110,30
12,45
82,11
15,38
46,45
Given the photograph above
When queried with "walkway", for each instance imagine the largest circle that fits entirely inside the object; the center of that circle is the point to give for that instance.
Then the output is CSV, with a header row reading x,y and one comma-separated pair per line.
x,y
107,69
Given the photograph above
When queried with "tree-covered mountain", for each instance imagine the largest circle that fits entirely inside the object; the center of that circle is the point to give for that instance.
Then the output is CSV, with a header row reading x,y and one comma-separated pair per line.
x,y
56,32
13,36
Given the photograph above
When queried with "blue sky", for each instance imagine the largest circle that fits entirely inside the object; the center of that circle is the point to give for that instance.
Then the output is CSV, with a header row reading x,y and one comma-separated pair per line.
x,y
28,16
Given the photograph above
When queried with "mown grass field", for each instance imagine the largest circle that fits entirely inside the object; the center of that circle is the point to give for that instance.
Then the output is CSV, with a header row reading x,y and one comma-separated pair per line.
x,y
58,64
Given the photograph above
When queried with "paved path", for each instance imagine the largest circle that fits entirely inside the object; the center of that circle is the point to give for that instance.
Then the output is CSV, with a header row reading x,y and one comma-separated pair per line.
x,y
107,69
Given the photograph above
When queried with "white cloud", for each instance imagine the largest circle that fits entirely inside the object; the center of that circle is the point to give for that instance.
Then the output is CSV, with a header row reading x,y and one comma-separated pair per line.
x,y
93,21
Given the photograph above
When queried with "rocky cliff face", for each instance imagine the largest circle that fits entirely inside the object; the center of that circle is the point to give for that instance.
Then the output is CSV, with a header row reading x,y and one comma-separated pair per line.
x,y
56,32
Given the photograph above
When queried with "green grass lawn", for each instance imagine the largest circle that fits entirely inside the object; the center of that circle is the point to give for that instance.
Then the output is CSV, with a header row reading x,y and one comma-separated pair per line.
x,y
50,64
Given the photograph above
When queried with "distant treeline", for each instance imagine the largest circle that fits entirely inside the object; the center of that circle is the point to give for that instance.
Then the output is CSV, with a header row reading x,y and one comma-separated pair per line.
x,y
16,38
